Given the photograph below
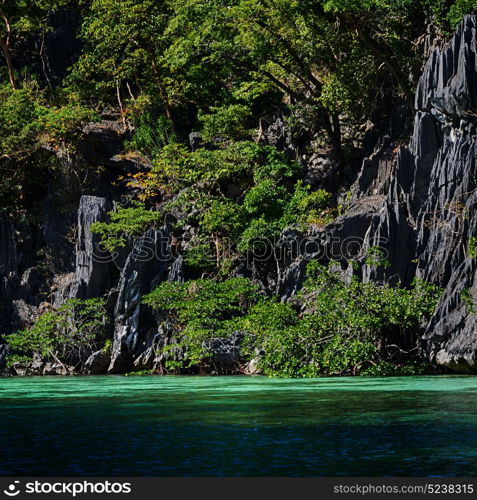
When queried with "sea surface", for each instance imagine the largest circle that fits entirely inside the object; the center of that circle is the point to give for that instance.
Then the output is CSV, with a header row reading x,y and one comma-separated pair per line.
x,y
238,426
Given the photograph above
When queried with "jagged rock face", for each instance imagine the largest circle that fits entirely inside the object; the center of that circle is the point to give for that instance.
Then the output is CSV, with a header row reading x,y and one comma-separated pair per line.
x,y
92,270
4,350
446,101
7,267
8,252
135,326
428,213
415,202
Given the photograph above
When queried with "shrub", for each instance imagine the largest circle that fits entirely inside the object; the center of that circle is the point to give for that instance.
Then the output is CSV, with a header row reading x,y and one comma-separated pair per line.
x,y
346,327
125,222
266,199
68,334
308,207
223,217
151,133
241,163
58,124
199,254
201,311
258,235
226,122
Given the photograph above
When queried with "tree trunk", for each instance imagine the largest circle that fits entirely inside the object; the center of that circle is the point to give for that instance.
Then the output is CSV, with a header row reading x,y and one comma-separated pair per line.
x,y
9,62
165,99
5,46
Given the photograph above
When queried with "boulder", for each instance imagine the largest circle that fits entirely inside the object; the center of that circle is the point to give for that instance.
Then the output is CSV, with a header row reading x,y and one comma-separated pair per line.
x,y
97,363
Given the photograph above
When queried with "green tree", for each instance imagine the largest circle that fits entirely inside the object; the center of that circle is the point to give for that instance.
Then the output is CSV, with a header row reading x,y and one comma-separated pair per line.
x,y
123,57
68,334
18,19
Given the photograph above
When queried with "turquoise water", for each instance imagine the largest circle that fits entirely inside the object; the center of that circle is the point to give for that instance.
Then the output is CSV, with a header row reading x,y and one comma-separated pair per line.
x,y
238,426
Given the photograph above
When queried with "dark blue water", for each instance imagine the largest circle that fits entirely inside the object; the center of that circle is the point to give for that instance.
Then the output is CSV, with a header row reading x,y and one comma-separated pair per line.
x,y
238,426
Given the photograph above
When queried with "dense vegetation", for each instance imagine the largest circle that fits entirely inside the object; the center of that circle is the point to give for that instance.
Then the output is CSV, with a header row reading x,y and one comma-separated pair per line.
x,y
223,69
343,327
67,334
211,65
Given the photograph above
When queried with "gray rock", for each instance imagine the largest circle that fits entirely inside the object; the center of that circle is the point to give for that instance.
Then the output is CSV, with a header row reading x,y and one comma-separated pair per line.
x,y
97,363
57,369
253,367
4,352
23,314
92,270
8,248
226,356
101,141
8,270
145,267
195,140
429,213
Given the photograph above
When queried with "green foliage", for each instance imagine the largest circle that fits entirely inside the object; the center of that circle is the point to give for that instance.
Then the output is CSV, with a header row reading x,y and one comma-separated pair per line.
x,y
308,207
387,369
19,20
223,217
151,133
272,165
140,373
125,223
472,247
341,331
20,112
204,302
259,234
467,298
227,122
27,125
62,123
266,198
375,257
343,325
202,310
176,167
68,334
107,346
200,254
459,9
224,68
124,45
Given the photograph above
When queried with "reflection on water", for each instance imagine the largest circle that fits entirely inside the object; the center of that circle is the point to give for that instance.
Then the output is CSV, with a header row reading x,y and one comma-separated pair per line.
x,y
238,426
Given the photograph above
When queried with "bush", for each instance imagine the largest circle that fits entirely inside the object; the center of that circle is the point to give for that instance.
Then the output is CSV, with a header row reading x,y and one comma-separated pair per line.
x,y
266,199
258,235
151,133
223,217
125,222
201,310
19,120
308,207
227,122
199,254
459,9
68,334
346,327
59,124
